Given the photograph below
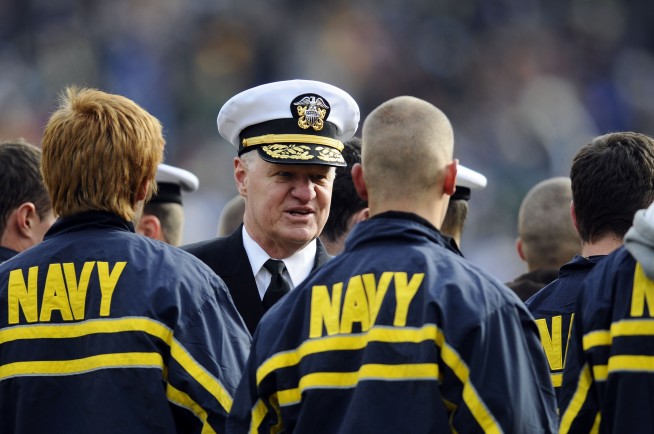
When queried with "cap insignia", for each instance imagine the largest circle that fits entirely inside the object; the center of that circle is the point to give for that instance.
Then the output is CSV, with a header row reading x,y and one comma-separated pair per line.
x,y
288,152
328,154
312,111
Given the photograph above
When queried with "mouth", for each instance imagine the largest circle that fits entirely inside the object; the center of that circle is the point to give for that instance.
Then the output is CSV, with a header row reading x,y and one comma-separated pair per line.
x,y
300,212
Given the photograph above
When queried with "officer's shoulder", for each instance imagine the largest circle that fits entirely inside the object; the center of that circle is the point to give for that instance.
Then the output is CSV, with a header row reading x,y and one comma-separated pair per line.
x,y
201,248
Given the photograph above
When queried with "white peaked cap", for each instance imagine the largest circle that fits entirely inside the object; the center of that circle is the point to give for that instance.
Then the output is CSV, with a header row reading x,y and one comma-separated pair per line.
x,y
291,122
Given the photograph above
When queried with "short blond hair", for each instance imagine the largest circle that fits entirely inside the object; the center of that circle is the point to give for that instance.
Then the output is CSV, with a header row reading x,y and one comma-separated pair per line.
x,y
98,150
407,142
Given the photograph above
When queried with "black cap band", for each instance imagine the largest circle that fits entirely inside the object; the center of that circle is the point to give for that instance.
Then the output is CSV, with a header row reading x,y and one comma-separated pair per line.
x,y
167,193
461,193
282,126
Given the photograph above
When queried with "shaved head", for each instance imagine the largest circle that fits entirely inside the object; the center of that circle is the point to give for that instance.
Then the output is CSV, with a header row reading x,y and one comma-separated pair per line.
x,y
548,235
407,142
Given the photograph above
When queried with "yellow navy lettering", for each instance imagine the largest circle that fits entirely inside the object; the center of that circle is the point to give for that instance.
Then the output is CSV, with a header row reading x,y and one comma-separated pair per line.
x,y
642,294
554,337
64,291
361,303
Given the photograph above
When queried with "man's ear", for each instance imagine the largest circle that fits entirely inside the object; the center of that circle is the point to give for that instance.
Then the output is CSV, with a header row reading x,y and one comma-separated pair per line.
x,y
150,226
519,248
359,182
26,218
361,215
240,173
449,186
142,191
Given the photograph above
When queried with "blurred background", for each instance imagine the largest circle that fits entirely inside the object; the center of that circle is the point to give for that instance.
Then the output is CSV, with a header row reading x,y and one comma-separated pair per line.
x,y
525,83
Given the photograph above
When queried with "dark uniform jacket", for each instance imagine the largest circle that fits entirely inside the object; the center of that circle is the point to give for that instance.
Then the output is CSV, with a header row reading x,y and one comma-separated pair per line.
x,y
397,334
553,310
227,257
106,331
610,364
6,253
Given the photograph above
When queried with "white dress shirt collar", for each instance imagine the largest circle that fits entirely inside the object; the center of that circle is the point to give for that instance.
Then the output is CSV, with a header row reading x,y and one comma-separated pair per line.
x,y
298,265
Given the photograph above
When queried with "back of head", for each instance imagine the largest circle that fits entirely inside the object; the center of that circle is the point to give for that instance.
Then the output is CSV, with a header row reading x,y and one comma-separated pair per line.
x,y
171,217
407,142
98,150
457,210
20,177
345,200
455,218
549,238
612,178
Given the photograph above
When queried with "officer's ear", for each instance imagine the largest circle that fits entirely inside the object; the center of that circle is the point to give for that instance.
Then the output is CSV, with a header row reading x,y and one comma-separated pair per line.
x,y
240,174
150,226
359,183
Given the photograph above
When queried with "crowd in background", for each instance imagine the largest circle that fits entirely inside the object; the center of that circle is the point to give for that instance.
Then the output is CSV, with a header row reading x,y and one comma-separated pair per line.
x,y
525,83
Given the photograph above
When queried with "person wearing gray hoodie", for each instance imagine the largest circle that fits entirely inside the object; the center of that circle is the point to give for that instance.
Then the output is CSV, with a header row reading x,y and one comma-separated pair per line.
x,y
608,377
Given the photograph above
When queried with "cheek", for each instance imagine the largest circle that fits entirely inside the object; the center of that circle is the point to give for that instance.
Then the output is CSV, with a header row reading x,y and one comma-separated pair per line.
x,y
324,197
271,198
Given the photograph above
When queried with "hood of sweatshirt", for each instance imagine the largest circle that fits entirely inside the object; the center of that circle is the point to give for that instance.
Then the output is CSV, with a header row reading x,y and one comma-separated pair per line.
x,y
639,240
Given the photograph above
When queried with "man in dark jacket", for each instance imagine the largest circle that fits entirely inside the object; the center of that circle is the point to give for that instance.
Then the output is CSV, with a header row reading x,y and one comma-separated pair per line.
x,y
102,330
398,333
289,137
608,381
163,215
547,239
25,207
611,179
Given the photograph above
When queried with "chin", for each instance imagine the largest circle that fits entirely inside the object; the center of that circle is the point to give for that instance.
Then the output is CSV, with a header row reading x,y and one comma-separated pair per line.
x,y
301,235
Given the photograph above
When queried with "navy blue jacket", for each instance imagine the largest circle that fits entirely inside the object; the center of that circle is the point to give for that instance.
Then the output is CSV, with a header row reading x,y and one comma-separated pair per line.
x,y
6,253
396,334
609,374
106,331
553,310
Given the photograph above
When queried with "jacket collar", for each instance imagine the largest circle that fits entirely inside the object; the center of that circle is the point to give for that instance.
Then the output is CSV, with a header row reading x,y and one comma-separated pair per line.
x,y
88,220
398,224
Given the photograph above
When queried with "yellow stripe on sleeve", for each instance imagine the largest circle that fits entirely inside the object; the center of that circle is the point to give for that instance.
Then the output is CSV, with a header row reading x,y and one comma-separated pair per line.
x,y
348,342
596,338
259,412
470,396
85,328
182,399
621,328
600,372
109,326
596,424
377,334
631,363
334,380
577,402
201,375
633,328
78,366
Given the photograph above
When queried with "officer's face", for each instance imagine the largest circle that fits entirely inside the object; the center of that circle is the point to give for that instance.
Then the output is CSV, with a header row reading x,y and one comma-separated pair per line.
x,y
286,205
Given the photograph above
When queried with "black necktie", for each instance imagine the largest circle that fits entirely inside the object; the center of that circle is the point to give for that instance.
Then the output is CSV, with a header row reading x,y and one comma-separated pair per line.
x,y
278,284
